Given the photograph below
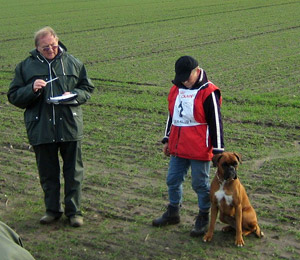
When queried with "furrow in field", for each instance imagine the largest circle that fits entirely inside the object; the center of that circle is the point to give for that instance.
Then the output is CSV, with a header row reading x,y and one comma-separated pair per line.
x,y
260,102
124,82
197,45
181,18
262,123
128,108
157,21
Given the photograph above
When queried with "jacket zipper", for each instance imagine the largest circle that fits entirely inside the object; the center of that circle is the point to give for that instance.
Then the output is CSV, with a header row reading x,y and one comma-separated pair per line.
x,y
51,91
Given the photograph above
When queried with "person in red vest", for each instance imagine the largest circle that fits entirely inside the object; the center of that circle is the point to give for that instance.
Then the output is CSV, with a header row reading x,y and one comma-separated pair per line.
x,y
194,133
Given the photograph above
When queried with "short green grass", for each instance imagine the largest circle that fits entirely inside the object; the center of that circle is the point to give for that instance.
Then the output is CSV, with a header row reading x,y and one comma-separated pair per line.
x,y
248,48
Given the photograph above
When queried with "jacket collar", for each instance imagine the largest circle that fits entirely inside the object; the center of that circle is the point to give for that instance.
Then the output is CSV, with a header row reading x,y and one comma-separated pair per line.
x,y
36,54
202,80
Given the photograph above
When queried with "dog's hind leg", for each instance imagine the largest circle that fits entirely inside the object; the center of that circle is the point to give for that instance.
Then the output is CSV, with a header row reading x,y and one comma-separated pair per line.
x,y
258,232
253,229
228,220
227,229
247,232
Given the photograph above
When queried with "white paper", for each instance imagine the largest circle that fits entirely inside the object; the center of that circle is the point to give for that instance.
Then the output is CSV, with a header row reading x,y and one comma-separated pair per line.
x,y
63,98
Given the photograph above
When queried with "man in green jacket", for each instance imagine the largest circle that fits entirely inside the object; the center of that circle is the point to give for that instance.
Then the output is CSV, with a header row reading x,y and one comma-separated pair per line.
x,y
51,85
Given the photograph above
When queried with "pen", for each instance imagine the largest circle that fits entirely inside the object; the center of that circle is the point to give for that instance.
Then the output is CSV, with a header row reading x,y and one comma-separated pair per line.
x,y
51,80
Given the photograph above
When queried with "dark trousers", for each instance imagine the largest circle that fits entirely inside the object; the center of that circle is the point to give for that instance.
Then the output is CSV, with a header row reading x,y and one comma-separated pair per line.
x,y
47,157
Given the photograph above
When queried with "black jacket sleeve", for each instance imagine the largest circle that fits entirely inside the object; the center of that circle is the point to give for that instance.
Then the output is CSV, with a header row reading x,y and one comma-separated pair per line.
x,y
214,121
167,130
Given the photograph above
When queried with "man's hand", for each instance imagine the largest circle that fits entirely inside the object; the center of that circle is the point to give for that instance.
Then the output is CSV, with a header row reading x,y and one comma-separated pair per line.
x,y
166,149
38,84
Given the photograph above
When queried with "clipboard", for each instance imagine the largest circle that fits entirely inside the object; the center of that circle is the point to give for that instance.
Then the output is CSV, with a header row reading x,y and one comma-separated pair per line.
x,y
63,99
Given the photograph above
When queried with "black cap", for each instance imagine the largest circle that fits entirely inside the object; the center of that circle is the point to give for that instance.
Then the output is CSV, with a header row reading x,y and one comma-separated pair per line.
x,y
183,68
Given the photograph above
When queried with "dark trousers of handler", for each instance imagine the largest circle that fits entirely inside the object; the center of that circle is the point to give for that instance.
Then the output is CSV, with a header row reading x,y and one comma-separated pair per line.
x,y
47,157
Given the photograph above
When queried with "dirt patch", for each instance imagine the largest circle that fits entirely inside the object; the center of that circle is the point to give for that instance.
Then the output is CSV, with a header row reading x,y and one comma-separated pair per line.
x,y
119,205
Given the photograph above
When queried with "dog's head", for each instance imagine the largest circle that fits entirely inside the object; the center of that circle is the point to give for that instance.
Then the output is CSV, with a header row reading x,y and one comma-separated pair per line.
x,y
227,164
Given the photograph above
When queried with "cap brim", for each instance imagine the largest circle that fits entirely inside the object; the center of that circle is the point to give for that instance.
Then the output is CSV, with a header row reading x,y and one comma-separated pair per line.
x,y
182,77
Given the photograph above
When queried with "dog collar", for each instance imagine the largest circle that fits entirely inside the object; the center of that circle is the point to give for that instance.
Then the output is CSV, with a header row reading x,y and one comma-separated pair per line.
x,y
223,181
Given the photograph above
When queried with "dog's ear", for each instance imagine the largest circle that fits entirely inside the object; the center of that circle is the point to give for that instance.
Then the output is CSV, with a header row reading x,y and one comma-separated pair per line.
x,y
216,159
238,156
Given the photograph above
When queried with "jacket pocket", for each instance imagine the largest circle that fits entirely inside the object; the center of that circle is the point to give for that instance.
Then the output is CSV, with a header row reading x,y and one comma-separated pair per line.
x,y
32,120
72,128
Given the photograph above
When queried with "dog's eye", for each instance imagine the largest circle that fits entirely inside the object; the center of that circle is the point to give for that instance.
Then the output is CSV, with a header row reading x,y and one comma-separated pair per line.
x,y
235,164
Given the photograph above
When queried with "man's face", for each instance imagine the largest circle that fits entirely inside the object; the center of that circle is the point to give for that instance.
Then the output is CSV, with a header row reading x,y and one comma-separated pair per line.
x,y
192,79
48,46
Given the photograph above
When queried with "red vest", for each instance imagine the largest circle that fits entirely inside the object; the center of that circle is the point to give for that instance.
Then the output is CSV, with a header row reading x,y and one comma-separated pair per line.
x,y
190,138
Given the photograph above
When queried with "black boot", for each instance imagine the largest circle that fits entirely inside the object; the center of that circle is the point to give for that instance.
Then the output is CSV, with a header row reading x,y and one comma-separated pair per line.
x,y
201,224
170,217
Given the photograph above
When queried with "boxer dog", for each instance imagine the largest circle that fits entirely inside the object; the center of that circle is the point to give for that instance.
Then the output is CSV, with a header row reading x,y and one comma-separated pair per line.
x,y
228,196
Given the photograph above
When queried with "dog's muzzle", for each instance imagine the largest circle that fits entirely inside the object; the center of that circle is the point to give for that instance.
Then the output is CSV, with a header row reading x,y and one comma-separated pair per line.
x,y
230,173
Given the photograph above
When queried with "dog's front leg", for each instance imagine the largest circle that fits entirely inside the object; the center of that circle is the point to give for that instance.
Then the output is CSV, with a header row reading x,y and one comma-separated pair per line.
x,y
239,241
213,218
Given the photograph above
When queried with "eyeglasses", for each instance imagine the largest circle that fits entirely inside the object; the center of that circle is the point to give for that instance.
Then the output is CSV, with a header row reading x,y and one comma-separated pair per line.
x,y
47,48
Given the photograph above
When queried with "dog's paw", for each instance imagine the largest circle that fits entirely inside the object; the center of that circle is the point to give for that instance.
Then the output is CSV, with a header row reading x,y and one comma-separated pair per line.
x,y
239,242
207,237
259,233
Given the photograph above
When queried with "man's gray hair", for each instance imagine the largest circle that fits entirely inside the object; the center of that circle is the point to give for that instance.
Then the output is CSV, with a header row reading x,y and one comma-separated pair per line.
x,y
42,33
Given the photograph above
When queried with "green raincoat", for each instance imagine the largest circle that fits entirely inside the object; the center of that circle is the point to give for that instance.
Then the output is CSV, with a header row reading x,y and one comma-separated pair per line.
x,y
11,247
49,123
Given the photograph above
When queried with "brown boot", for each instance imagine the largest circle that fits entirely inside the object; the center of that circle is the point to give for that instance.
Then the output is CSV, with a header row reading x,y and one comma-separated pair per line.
x,y
48,219
76,221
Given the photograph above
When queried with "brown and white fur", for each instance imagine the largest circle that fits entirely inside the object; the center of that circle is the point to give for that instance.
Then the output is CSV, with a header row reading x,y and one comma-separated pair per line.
x,y
229,196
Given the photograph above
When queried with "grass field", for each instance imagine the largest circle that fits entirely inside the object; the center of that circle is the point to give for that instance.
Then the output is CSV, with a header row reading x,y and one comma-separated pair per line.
x,y
250,49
